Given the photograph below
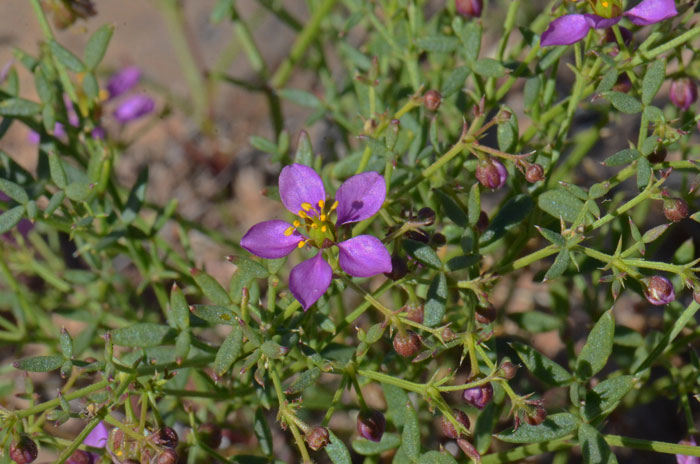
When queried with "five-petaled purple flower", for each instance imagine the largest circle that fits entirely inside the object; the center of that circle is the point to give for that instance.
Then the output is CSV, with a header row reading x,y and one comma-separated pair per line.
x,y
97,438
571,28
302,193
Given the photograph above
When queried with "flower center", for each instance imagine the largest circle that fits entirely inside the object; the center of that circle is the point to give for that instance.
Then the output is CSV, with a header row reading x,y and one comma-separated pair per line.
x,y
315,222
606,8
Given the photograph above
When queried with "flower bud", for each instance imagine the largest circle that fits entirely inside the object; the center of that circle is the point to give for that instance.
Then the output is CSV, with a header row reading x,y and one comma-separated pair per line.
x,y
414,311
432,100
210,434
418,235
133,108
657,156
508,370
447,334
537,417
659,291
24,451
471,8
478,397
371,424
534,173
399,269
468,449
485,315
165,436
491,174
438,239
448,428
623,84
317,438
483,222
167,456
426,216
123,81
675,209
79,457
407,344
683,93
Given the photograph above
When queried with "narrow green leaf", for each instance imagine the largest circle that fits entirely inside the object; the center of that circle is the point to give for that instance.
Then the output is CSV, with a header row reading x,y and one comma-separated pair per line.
x,y
39,363
559,266
304,381
536,321
78,191
489,67
66,343
598,347
653,78
608,81
300,97
396,399
97,46
435,457
305,153
58,174
541,366
622,157
215,314
14,191
483,429
643,173
560,204
262,432
423,253
594,448
555,426
229,351
19,107
507,133
410,436
369,448
452,209
470,35
210,287
436,299
623,102
605,396
183,343
474,205
438,43
551,236
66,57
337,451
512,213
142,334
136,197
10,218
179,308
90,86
455,81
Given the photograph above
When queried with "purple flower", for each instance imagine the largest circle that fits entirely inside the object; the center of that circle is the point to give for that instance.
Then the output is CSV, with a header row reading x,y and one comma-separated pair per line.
x,y
123,81
478,397
133,108
683,93
73,118
659,291
569,29
58,131
97,438
302,193
683,459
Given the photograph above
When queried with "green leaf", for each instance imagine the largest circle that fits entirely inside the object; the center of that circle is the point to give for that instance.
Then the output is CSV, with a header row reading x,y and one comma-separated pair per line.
x,y
229,351
455,81
512,213
90,86
10,218
58,174
622,157
215,314
470,35
653,78
273,350
598,347
436,299
489,67
369,448
604,397
643,173
14,191
305,153
410,436
210,287
474,205
438,43
551,236
483,429
66,57
222,9
541,366
531,92
263,144
593,446
19,107
536,321
435,457
136,197
452,209
300,97
179,308
654,233
422,253
555,426
337,451
262,432
560,204
97,46
623,102
183,343
66,343
78,191
304,381
507,133
54,202
598,190
608,81
396,399
142,334
39,363
559,266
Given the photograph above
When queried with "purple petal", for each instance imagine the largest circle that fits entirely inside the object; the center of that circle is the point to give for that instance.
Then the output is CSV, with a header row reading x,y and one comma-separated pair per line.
x,y
598,22
651,12
566,30
73,118
310,279
133,108
300,184
98,437
364,256
268,240
58,130
123,81
360,197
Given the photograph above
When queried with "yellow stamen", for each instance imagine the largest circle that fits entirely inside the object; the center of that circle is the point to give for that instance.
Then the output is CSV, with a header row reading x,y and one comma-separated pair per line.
x,y
314,226
289,231
324,228
306,206
321,203
323,217
302,214
296,223
301,244
334,206
605,4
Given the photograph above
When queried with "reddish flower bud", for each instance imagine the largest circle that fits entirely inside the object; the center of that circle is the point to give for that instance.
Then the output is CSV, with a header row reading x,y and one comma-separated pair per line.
x,y
167,456
432,100
508,370
623,84
24,451
485,315
418,235
371,424
483,222
165,436
317,438
491,174
675,209
399,269
471,8
468,449
447,334
534,173
478,397
438,239
80,457
659,291
414,312
210,434
426,216
683,93
407,344
657,156
537,417
448,428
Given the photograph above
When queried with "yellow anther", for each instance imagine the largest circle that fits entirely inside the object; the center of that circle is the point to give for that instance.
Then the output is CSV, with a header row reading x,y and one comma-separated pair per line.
x,y
296,223
605,4
289,231
324,228
302,214
301,244
321,203
334,206
323,217
314,226
306,206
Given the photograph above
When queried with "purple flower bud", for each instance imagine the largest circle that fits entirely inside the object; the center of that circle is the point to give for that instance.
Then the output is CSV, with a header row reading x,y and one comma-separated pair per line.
x,y
534,173
683,459
80,457
24,451
675,209
471,8
659,291
133,108
98,133
478,397
491,174
371,424
73,118
123,81
623,84
317,438
448,428
432,100
468,449
683,93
